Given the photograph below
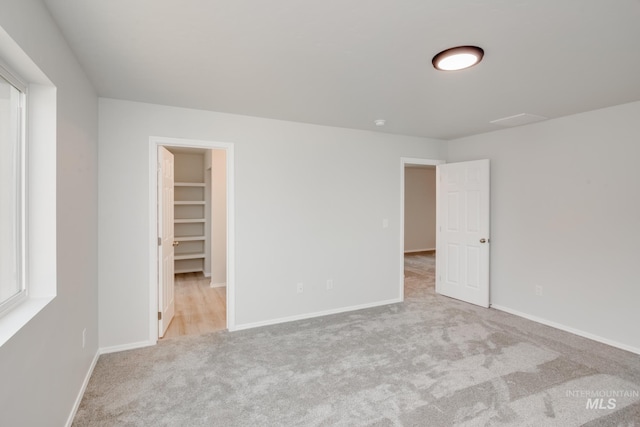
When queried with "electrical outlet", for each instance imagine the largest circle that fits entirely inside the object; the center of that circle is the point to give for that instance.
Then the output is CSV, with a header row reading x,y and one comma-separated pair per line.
x,y
329,284
539,290
300,288
84,337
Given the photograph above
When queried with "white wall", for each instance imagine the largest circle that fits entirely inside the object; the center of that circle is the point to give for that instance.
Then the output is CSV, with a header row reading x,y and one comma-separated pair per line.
x,y
302,213
565,206
43,366
419,208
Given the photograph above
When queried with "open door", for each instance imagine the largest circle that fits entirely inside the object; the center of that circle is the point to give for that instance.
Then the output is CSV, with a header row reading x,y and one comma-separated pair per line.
x,y
166,300
462,239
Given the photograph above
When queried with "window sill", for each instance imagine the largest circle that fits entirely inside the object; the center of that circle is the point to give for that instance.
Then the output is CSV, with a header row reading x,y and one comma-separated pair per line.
x,y
19,316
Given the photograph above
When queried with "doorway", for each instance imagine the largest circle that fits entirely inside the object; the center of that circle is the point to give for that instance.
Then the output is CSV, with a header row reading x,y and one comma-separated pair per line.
x,y
199,242
204,263
418,209
462,228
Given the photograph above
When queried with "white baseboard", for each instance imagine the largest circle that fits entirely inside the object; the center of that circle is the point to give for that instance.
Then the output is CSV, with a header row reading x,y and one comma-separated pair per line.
x,y
123,347
568,329
218,285
419,250
207,275
312,315
87,377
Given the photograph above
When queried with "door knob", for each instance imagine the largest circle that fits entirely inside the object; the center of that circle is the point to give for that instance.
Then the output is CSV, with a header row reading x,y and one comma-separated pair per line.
x,y
483,240
176,243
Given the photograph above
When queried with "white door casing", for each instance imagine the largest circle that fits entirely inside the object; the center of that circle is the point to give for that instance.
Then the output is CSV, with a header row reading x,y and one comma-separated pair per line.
x,y
166,300
462,239
154,230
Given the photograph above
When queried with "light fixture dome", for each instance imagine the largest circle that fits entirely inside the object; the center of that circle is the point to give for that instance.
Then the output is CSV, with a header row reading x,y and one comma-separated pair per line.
x,y
457,58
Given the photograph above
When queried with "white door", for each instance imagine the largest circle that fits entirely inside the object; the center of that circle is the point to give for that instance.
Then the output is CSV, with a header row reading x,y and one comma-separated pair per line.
x,y
462,223
166,301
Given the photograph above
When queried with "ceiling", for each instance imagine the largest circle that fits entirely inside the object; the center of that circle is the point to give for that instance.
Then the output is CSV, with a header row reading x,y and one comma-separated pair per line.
x,y
347,63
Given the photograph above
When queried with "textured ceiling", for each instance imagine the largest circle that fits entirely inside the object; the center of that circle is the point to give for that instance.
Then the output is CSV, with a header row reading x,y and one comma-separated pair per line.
x,y
348,62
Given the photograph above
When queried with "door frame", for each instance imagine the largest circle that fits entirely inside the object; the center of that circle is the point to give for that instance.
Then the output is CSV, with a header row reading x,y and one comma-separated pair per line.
x,y
154,143
404,162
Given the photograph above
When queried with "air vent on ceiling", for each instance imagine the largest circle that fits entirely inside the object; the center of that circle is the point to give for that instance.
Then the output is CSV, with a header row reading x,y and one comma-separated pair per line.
x,y
518,120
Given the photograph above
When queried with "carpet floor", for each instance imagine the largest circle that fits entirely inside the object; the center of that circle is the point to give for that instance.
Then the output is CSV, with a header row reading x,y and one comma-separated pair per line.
x,y
430,361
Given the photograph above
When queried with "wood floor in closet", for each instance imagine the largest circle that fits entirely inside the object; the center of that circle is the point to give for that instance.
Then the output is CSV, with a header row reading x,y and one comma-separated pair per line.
x,y
199,307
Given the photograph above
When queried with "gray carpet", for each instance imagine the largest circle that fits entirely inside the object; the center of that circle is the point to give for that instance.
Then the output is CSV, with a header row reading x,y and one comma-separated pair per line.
x,y
430,361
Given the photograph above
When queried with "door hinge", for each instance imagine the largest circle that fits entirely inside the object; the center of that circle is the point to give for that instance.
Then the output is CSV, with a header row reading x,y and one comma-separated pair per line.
x,y
159,315
159,241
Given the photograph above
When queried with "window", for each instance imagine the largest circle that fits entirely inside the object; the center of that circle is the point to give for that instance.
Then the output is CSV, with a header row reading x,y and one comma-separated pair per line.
x,y
28,147
12,194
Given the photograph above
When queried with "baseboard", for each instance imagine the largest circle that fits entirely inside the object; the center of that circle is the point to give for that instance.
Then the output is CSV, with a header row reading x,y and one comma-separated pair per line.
x,y
218,285
420,250
312,315
87,377
568,329
123,347
207,275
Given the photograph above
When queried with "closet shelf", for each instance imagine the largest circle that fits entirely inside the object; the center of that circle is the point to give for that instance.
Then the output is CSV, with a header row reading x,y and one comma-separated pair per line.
x,y
188,184
188,256
188,238
188,202
190,213
188,270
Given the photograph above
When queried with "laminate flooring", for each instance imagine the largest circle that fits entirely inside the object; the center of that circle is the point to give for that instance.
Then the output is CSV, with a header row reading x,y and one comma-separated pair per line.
x,y
199,307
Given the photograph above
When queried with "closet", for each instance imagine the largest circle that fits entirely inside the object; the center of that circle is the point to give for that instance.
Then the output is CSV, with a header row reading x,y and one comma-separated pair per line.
x,y
200,240
191,223
200,213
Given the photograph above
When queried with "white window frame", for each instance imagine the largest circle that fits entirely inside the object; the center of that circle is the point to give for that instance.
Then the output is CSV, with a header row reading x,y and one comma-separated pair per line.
x,y
13,301
39,250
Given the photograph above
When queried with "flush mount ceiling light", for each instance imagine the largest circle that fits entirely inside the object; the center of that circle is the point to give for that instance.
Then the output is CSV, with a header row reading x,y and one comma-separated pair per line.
x,y
458,58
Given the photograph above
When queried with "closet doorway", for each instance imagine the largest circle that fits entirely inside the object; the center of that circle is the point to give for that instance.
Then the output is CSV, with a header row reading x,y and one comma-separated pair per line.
x,y
193,293
199,241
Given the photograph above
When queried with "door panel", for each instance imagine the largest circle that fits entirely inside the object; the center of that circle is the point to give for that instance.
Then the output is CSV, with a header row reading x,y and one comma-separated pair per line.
x,y
452,263
166,299
473,264
462,263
